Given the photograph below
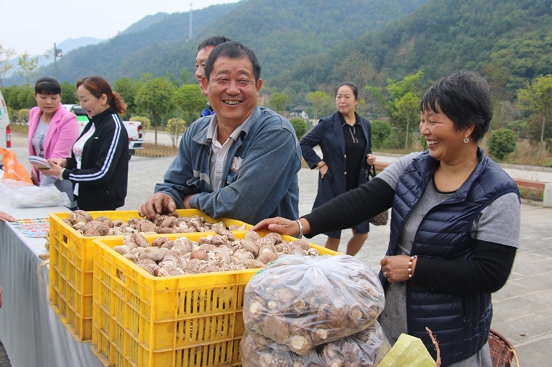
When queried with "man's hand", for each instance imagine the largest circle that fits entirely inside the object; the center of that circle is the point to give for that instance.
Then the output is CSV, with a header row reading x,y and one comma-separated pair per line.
x,y
156,204
5,217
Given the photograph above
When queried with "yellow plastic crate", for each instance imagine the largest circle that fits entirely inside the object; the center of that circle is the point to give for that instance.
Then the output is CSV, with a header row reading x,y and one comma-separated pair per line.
x,y
71,266
140,320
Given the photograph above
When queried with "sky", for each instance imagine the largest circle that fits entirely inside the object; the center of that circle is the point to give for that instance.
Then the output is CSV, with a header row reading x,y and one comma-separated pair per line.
x,y
34,26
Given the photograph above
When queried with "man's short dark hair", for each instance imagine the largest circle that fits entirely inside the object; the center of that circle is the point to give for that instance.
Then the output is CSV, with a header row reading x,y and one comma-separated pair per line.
x,y
464,98
232,50
214,41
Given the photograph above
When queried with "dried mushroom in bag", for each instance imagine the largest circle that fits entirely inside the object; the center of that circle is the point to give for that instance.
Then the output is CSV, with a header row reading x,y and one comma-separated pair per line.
x,y
255,352
302,302
363,349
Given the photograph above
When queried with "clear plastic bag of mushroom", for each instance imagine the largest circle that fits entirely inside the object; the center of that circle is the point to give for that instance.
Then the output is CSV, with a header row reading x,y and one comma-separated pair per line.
x,y
363,349
300,302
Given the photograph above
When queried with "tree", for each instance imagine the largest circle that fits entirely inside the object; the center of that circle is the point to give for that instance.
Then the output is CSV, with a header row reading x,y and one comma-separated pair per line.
x,y
403,107
185,75
190,99
175,127
380,132
69,93
537,99
156,97
279,101
300,127
408,108
502,142
319,101
23,115
171,78
357,68
6,54
127,89
27,66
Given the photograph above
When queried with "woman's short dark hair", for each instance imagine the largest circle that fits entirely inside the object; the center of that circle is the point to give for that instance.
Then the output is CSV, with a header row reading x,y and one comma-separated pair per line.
x,y
232,50
353,86
464,98
47,85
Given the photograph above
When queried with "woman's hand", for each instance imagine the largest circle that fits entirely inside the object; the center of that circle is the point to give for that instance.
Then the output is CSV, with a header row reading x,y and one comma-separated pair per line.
x,y
282,226
62,162
323,170
371,159
395,268
55,169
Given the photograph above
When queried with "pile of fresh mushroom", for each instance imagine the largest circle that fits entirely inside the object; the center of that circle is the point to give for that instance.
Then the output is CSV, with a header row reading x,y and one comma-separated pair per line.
x,y
221,251
299,306
83,222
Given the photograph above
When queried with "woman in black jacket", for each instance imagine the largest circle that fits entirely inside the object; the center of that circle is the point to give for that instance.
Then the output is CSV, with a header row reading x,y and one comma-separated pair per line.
x,y
345,139
98,166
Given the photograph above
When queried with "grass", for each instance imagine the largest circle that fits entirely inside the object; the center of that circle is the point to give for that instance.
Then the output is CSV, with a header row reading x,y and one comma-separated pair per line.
x,y
16,128
156,151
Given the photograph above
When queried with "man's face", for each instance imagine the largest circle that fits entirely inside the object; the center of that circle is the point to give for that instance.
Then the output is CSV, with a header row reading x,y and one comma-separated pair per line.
x,y
201,59
232,90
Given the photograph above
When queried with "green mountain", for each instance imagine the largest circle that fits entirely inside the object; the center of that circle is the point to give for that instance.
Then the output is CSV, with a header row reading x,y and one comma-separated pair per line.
x,y
508,41
304,45
281,32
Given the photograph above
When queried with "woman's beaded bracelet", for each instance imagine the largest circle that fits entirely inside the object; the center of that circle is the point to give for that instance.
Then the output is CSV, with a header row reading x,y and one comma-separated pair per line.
x,y
300,229
410,265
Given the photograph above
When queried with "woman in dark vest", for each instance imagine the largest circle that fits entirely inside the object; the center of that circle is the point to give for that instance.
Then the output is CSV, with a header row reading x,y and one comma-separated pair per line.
x,y
454,226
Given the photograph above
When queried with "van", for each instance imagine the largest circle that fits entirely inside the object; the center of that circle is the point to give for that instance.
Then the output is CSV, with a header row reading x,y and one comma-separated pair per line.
x,y
5,136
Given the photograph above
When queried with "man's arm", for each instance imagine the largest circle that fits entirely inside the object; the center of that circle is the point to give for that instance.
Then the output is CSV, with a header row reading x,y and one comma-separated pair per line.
x,y
179,172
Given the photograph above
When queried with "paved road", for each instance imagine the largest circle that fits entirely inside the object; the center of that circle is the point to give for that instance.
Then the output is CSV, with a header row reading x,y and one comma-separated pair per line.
x,y
522,308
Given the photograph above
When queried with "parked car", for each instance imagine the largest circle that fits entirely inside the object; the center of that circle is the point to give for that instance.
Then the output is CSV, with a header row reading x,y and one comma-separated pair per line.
x,y
5,135
134,128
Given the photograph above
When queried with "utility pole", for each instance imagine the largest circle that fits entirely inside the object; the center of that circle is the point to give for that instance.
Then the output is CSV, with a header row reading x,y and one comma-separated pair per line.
x,y
190,25
57,53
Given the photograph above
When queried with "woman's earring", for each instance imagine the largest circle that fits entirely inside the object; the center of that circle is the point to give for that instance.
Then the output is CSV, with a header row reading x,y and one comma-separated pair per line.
x,y
466,140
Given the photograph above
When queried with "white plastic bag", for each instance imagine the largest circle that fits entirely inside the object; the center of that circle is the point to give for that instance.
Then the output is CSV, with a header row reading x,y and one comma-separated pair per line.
x,y
38,197
301,302
9,186
363,349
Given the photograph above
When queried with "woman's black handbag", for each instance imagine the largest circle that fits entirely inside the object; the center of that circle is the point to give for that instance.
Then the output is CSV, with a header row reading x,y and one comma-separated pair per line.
x,y
382,218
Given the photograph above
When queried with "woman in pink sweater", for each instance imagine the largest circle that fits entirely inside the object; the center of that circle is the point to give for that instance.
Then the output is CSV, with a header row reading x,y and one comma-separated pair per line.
x,y
52,131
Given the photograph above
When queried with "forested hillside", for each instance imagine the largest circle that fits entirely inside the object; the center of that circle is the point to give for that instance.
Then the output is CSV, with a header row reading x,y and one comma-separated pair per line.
x,y
305,45
508,41
280,31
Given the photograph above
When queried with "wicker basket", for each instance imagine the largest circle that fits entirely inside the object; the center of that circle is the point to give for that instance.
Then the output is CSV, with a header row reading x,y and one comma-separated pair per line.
x,y
502,352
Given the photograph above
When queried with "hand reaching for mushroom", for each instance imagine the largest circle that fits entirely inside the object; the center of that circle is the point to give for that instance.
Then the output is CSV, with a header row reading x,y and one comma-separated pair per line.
x,y
283,226
156,204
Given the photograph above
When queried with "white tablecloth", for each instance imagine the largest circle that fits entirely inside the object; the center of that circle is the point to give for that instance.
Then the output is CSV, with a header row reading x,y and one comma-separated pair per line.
x,y
30,330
